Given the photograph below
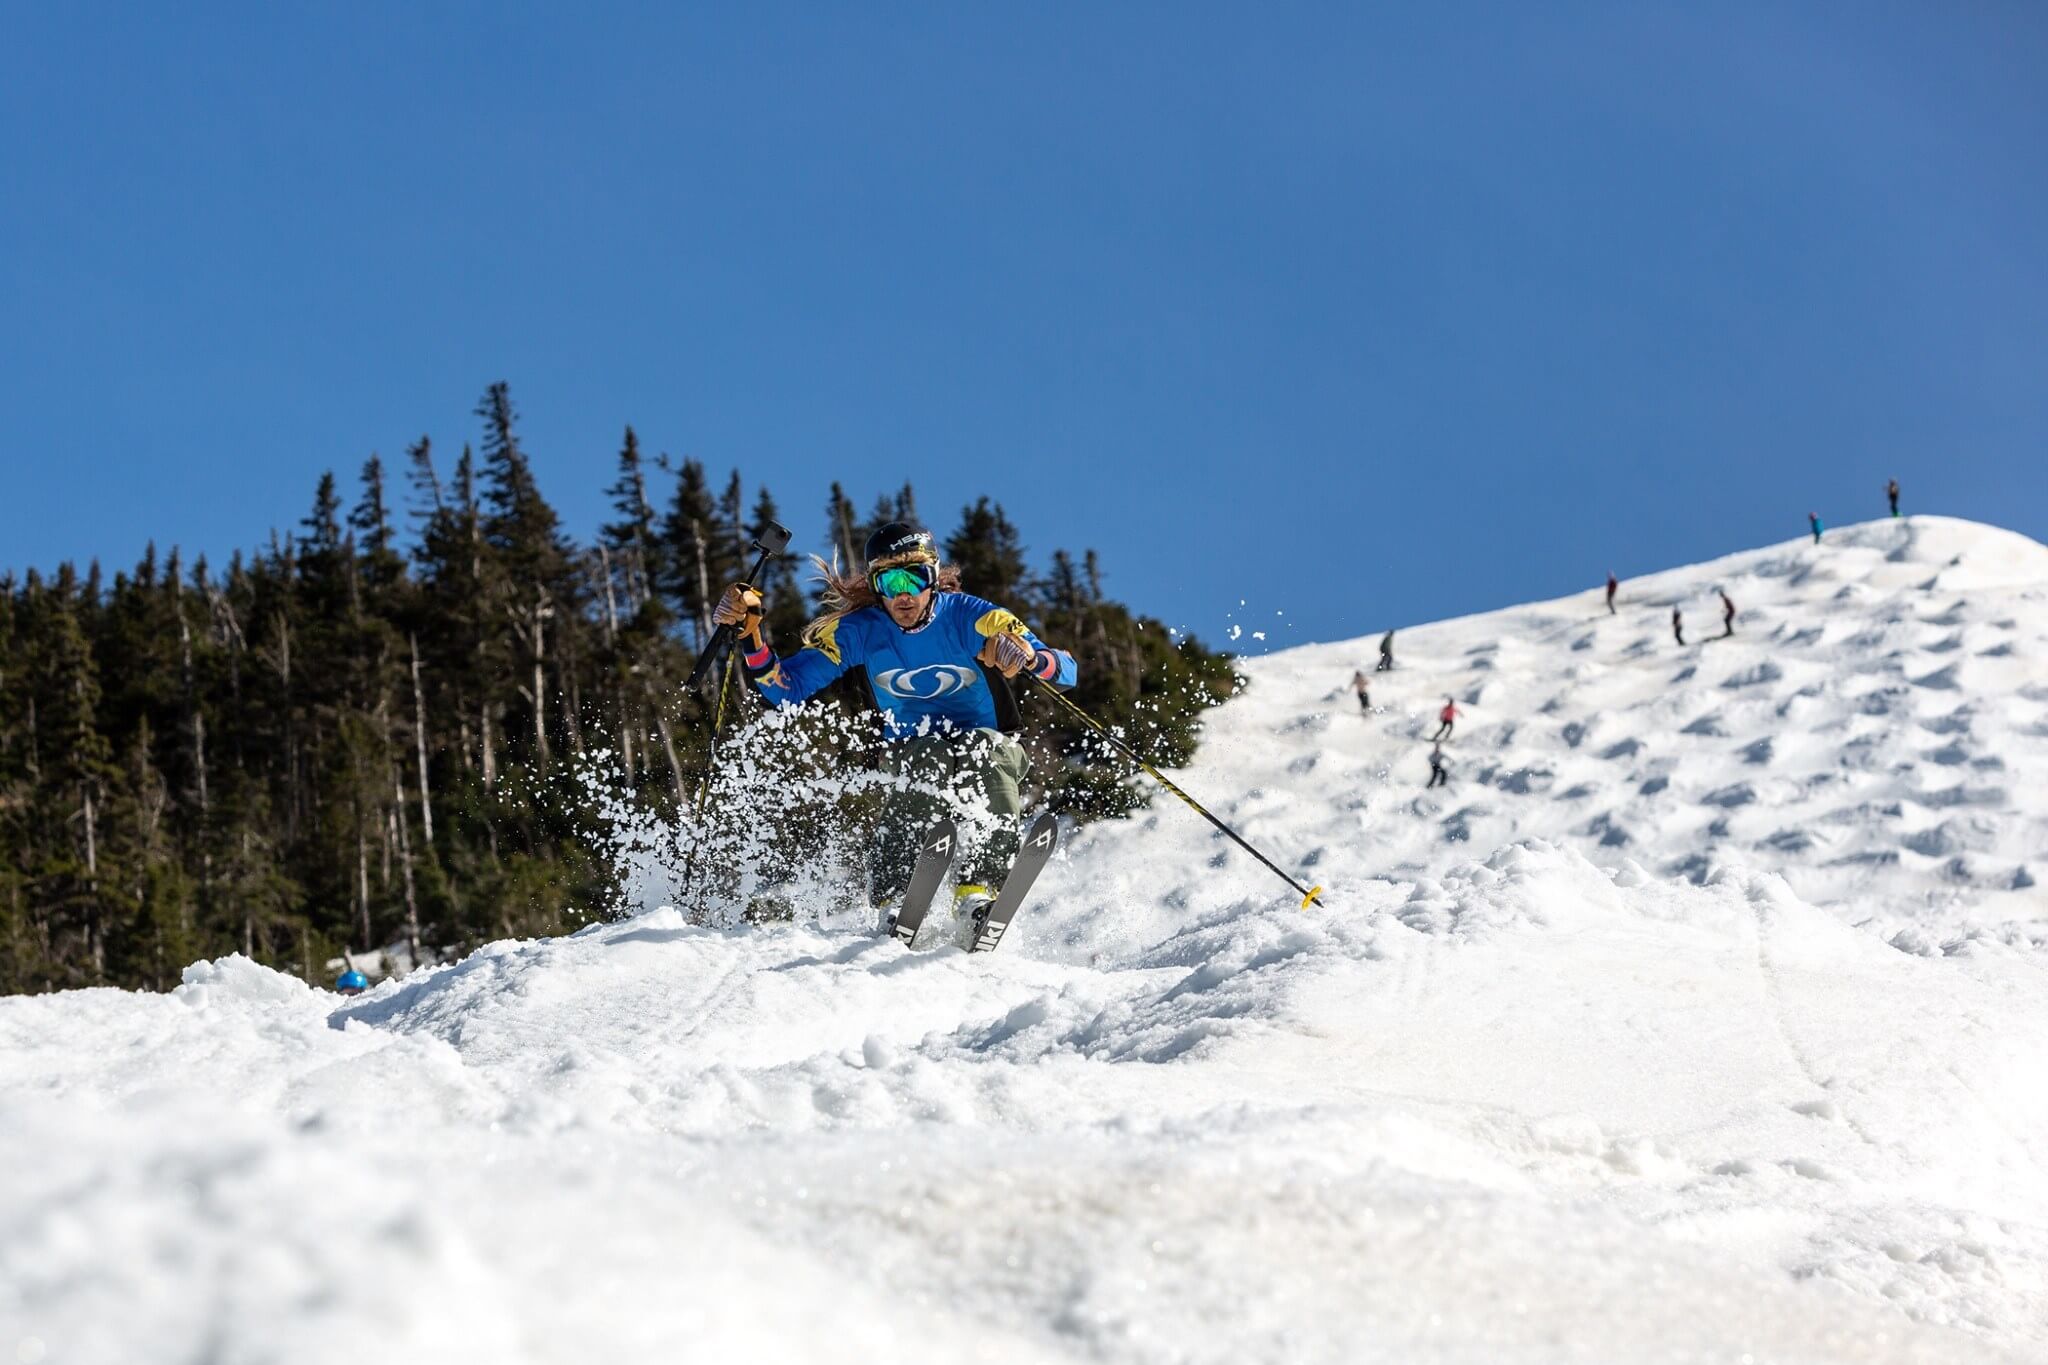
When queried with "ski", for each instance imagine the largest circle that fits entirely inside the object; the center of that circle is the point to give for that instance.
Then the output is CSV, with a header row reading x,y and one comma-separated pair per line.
x,y
934,859
1039,842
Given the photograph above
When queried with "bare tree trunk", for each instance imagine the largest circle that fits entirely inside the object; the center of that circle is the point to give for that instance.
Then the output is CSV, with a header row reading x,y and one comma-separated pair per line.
x,y
668,741
626,742
248,907
412,905
362,882
703,588
572,708
198,722
195,717
845,529
636,580
291,760
95,931
611,611
540,710
419,732
490,753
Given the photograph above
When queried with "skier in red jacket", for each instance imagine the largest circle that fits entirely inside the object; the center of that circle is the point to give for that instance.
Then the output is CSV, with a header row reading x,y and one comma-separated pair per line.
x,y
1448,715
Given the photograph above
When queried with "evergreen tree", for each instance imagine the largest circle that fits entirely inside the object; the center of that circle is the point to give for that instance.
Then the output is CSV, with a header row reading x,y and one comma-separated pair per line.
x,y
633,548
74,771
371,521
532,584
310,751
732,557
989,553
843,545
687,536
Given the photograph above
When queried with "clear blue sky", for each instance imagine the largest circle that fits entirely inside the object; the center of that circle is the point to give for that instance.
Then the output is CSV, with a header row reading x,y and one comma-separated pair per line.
x,y
1362,313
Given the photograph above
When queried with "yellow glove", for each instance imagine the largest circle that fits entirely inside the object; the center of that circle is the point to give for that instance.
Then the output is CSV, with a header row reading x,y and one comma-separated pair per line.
x,y
1008,653
740,607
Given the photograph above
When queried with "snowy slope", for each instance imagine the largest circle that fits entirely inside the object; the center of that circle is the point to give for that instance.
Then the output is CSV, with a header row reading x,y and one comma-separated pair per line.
x,y
1706,1016
1875,731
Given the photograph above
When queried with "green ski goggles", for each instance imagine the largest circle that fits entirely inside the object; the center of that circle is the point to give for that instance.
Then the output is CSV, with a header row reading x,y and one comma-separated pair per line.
x,y
904,580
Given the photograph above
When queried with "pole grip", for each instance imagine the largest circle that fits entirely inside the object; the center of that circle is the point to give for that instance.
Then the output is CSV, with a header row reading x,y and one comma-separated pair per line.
x,y
722,637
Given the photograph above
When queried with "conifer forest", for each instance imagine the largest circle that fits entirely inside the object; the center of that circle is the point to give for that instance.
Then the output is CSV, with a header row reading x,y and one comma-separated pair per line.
x,y
389,726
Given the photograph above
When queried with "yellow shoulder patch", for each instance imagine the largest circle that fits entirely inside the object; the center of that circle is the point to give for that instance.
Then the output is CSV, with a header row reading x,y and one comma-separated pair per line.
x,y
1000,622
826,640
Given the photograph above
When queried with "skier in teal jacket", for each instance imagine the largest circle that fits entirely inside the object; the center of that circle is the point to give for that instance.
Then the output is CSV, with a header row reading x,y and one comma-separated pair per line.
x,y
939,663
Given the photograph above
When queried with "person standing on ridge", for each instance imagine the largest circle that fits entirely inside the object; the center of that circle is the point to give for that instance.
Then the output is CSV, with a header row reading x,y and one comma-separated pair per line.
x,y
1612,584
1891,490
1386,653
1727,613
938,662
1813,520
1448,716
1677,625
1437,776
1362,686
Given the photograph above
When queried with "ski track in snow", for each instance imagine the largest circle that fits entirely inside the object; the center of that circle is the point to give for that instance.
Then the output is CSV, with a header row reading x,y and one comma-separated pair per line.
x,y
1703,1018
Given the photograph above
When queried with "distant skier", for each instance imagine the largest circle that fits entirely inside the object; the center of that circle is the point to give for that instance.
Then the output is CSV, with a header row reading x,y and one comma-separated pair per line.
x,y
938,662
1437,776
1678,625
1386,664
1448,716
1612,584
1362,685
1813,520
1727,613
1891,490
352,982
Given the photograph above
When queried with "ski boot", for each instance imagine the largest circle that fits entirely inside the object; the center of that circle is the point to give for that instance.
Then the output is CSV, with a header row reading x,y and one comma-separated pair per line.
x,y
971,904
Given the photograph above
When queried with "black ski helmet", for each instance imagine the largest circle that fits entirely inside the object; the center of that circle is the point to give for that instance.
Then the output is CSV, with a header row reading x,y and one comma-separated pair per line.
x,y
899,540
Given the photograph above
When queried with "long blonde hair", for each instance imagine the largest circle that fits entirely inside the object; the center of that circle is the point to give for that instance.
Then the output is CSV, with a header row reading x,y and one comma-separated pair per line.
x,y
846,593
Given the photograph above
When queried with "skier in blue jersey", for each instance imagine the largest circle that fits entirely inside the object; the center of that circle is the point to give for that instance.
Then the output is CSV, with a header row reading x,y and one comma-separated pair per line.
x,y
939,663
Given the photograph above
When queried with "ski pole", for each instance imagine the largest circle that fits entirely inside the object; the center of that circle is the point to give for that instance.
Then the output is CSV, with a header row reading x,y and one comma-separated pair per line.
x,y
772,541
711,749
1309,895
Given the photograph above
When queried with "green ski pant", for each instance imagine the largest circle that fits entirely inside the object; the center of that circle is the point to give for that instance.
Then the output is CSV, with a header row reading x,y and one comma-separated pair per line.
x,y
984,761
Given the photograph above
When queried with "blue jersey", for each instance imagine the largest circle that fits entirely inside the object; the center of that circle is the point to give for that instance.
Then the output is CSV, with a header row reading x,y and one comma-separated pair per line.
x,y
925,679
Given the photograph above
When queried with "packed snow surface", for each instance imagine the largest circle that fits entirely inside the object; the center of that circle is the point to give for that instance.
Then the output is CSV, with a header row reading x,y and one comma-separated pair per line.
x,y
1704,1017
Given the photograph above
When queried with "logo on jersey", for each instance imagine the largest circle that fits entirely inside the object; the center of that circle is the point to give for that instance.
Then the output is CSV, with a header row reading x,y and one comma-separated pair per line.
x,y
928,683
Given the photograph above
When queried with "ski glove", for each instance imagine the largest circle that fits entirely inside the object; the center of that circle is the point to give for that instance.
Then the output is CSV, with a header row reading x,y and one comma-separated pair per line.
x,y
740,607
1009,654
